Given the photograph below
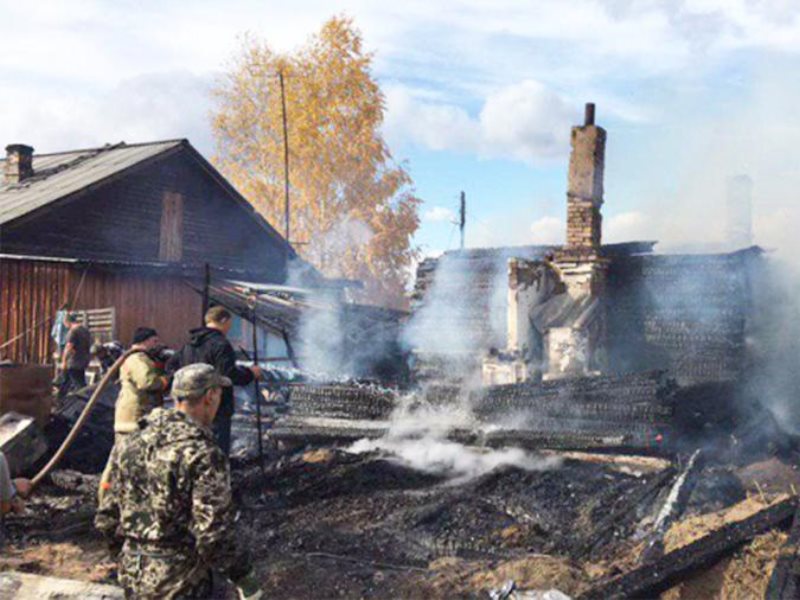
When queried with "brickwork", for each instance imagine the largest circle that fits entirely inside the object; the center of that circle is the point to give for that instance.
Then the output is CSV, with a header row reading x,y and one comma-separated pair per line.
x,y
585,187
19,163
584,224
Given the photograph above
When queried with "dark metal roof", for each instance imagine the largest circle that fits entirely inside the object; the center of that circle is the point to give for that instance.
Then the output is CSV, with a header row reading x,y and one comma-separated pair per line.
x,y
63,173
60,175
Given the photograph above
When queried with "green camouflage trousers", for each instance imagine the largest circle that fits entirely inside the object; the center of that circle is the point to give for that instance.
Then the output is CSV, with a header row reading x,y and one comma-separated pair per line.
x,y
148,573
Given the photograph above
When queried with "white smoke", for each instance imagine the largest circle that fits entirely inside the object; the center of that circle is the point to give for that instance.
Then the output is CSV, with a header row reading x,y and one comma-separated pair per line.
x,y
450,320
321,339
436,325
774,342
418,438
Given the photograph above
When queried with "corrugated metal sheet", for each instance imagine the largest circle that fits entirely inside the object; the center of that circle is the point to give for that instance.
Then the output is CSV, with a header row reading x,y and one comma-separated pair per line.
x,y
32,291
58,175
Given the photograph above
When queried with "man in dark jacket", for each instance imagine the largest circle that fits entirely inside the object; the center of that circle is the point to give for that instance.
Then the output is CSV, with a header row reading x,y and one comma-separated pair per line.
x,y
77,353
210,345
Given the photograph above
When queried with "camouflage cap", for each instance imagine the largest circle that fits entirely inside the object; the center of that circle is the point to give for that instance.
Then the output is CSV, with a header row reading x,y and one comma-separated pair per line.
x,y
195,380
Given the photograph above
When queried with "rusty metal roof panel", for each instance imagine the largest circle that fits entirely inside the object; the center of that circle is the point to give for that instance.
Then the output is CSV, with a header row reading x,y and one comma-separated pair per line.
x,y
60,174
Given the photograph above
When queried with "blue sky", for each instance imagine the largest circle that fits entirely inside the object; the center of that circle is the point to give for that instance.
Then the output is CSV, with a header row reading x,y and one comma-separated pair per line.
x,y
480,97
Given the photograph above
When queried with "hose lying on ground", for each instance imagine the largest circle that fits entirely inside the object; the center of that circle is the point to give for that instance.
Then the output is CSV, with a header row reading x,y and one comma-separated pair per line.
x,y
76,429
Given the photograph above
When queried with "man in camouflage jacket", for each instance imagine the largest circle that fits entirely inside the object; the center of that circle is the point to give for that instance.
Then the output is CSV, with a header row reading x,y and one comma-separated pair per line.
x,y
168,499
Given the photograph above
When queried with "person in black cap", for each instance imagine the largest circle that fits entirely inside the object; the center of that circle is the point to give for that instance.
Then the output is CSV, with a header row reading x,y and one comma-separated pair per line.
x,y
142,387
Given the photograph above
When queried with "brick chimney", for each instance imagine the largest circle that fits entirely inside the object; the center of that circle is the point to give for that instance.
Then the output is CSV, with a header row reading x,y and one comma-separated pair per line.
x,y
585,185
19,163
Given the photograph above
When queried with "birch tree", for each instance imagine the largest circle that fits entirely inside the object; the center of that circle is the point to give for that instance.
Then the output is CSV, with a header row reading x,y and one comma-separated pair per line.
x,y
353,207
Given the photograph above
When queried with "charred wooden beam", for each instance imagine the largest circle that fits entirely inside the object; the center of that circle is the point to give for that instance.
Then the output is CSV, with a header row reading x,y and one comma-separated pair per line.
x,y
342,401
617,517
647,581
784,583
673,507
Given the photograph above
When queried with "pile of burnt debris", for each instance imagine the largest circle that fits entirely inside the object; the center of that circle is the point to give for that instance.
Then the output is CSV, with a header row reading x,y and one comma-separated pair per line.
x,y
367,525
629,486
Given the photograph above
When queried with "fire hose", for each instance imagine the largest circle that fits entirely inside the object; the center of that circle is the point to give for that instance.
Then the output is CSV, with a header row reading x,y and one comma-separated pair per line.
x,y
76,429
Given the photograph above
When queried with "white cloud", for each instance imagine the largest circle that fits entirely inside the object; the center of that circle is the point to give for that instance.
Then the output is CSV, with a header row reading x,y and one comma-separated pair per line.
x,y
433,125
548,230
525,121
505,56
437,214
626,227
143,108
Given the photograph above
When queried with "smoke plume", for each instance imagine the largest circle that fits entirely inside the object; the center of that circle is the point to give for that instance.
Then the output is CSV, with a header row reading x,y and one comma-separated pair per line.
x,y
417,437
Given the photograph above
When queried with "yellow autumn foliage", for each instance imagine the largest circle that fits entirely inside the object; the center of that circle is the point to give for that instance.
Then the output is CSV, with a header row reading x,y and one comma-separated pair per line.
x,y
353,208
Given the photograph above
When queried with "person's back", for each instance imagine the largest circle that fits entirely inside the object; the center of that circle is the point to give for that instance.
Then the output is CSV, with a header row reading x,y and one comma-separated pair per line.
x,y
171,467
81,339
168,499
77,353
141,390
161,464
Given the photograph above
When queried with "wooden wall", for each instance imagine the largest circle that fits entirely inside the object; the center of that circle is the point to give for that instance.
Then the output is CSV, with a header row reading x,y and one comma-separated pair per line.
x,y
32,291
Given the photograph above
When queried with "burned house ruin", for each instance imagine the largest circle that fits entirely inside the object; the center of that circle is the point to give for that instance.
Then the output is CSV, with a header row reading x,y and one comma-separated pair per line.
x,y
583,345
535,313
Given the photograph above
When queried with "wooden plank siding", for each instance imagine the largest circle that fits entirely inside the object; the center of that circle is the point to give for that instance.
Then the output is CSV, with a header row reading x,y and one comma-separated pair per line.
x,y
34,290
30,291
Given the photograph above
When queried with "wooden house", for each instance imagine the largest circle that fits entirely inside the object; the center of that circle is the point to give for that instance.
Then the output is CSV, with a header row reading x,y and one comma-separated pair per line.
x,y
131,230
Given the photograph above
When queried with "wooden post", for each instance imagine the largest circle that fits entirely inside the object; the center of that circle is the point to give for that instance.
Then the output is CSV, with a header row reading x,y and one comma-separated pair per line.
x,y
256,393
206,298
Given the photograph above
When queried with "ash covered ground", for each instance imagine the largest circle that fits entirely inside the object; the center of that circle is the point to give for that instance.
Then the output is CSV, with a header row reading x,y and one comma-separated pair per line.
x,y
324,522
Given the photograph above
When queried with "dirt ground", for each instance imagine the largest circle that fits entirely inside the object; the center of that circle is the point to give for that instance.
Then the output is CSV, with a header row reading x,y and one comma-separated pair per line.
x,y
326,523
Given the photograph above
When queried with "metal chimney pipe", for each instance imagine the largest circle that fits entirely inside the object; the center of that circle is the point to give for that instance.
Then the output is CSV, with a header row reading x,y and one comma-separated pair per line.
x,y
588,114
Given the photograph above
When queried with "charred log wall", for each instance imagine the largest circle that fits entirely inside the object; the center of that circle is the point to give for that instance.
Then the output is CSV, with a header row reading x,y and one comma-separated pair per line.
x,y
632,409
686,314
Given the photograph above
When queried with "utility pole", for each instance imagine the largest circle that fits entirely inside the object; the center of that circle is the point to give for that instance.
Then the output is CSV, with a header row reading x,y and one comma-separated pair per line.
x,y
463,217
285,156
